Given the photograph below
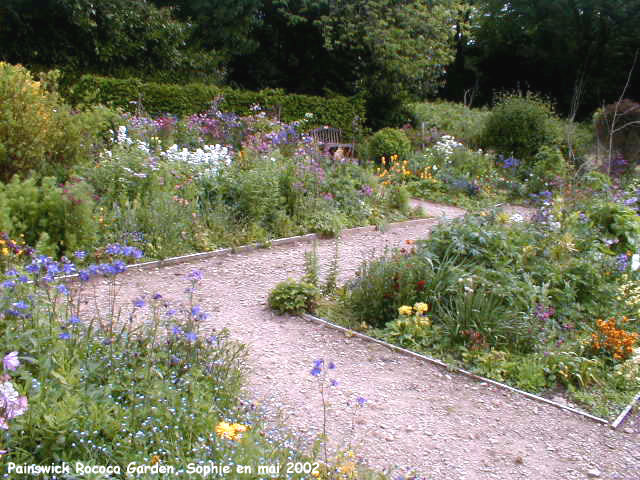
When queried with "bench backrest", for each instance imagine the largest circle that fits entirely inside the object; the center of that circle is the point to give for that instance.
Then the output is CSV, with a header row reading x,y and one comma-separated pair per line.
x,y
326,135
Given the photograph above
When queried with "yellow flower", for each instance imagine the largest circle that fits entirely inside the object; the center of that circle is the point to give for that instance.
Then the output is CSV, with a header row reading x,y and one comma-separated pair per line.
x,y
238,427
225,430
155,459
405,310
421,307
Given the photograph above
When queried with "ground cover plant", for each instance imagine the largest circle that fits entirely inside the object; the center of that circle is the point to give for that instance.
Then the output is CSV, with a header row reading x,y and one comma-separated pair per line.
x,y
549,306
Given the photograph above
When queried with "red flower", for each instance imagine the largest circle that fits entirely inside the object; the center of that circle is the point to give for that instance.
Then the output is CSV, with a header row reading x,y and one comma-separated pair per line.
x,y
420,285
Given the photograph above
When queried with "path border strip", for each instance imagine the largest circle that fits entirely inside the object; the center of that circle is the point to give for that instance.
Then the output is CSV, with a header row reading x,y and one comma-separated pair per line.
x,y
614,425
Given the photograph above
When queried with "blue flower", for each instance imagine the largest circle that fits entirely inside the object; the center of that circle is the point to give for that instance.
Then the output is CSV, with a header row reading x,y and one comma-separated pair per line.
x,y
331,365
74,320
138,303
53,268
195,276
63,289
176,331
318,363
8,284
191,336
361,401
316,371
171,312
80,254
69,268
114,249
334,383
84,275
156,296
21,305
23,279
32,268
64,336
11,273
195,310
119,266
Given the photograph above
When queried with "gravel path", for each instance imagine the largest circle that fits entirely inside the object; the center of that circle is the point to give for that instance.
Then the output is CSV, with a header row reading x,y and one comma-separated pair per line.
x,y
417,416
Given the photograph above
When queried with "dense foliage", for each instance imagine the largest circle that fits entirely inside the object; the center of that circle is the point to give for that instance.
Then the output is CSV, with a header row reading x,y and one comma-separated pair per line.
x,y
162,99
543,304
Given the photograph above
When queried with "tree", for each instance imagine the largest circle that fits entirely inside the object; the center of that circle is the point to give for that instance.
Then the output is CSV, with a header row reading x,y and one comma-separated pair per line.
x,y
221,25
102,36
554,45
410,41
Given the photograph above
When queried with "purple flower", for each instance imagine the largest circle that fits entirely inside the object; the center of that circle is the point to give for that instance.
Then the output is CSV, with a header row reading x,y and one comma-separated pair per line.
x,y
10,361
8,284
177,331
623,262
366,190
62,289
334,383
138,303
64,336
156,296
171,312
191,336
80,254
195,276
331,365
74,320
12,273
316,371
84,275
361,401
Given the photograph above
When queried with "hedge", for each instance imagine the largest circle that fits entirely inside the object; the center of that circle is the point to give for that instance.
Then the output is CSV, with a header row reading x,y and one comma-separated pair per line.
x,y
182,100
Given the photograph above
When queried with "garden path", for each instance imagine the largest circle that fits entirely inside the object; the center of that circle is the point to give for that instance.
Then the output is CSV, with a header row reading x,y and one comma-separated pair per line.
x,y
417,416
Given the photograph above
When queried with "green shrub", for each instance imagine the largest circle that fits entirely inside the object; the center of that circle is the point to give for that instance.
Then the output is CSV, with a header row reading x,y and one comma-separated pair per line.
x,y
549,165
388,142
37,130
455,119
293,297
520,125
618,221
159,98
57,218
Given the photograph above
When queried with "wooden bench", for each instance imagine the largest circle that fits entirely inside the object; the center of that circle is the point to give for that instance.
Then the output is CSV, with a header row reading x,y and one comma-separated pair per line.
x,y
329,139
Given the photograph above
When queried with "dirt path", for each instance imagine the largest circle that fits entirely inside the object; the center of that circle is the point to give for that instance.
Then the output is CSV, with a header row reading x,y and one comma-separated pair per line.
x,y
416,416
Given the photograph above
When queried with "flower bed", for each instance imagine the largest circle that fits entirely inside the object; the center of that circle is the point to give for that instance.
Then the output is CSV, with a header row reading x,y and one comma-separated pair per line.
x,y
543,306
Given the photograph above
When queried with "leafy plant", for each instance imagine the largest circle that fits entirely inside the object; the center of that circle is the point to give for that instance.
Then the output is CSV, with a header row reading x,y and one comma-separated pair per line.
x,y
293,297
388,142
520,125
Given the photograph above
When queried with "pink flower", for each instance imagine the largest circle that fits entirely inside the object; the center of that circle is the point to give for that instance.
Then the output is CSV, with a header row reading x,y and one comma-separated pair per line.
x,y
10,361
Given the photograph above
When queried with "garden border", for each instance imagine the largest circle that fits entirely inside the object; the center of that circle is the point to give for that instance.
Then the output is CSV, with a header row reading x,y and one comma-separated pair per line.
x,y
614,425
314,236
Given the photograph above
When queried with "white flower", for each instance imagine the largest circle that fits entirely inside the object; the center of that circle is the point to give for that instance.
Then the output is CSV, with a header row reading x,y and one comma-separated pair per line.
x,y
516,217
635,262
